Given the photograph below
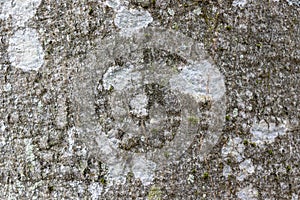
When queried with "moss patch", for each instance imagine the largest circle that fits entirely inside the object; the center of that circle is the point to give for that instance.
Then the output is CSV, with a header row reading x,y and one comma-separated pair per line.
x,y
154,193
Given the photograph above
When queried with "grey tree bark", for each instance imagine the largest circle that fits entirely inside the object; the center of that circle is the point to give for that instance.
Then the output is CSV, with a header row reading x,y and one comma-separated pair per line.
x,y
140,99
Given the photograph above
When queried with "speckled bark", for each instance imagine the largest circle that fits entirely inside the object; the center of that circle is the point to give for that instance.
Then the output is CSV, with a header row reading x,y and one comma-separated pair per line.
x,y
51,102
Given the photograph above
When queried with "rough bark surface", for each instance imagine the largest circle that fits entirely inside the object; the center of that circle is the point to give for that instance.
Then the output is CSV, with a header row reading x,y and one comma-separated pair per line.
x,y
149,99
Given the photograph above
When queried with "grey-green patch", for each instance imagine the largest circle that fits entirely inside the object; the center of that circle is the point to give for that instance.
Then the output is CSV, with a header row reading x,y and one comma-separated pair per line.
x,y
154,193
147,112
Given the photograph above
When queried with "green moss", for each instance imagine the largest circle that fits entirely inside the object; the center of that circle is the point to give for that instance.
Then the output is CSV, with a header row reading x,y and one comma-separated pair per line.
x,y
91,11
258,81
212,21
205,175
227,117
175,69
288,168
130,177
270,151
147,35
167,155
51,188
194,171
175,26
253,144
228,28
221,165
103,181
259,45
154,193
193,120
229,176
111,88
130,174
102,120
154,131
245,142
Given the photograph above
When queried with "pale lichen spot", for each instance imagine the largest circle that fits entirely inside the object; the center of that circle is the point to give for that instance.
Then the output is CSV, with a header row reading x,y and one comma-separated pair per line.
x,y
263,132
95,189
25,50
227,171
114,4
248,193
239,3
246,168
295,196
294,2
143,169
234,148
146,108
199,79
30,157
130,21
19,10
118,78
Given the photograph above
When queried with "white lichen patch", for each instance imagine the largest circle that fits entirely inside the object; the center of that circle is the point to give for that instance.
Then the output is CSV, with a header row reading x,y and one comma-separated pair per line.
x,y
113,4
191,81
117,5
234,148
130,21
117,173
266,133
235,112
191,178
95,189
19,10
227,171
71,140
143,169
2,127
293,2
61,120
246,168
2,135
199,80
239,3
7,87
139,105
30,157
248,193
171,12
295,196
118,78
147,119
25,51
198,11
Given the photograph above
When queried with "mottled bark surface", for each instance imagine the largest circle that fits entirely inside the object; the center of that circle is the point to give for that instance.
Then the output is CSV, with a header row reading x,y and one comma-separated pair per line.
x,y
149,99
